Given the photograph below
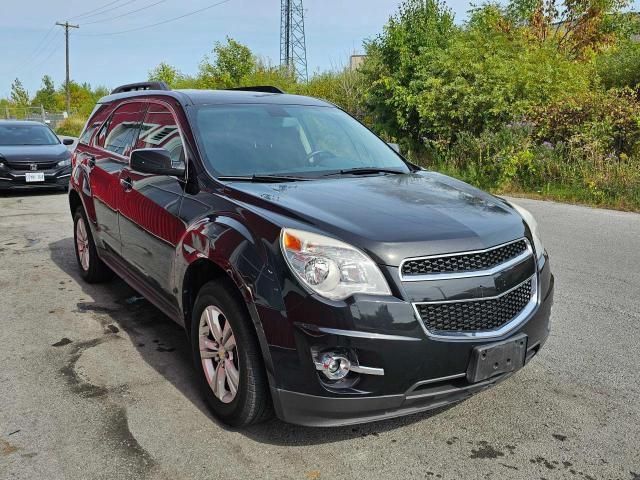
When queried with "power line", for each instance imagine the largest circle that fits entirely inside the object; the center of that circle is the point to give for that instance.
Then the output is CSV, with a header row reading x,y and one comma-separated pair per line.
x,y
48,57
45,59
40,47
102,12
158,23
42,43
80,15
125,14
44,53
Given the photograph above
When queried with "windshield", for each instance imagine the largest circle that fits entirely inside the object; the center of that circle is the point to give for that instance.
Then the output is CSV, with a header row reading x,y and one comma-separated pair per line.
x,y
27,135
305,141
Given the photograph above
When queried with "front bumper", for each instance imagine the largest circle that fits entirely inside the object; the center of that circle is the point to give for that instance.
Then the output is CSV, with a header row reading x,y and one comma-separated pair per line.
x,y
421,373
16,179
315,411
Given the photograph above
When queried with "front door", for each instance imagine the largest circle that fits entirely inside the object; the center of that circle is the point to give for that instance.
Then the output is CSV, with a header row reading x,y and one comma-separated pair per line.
x,y
149,223
108,156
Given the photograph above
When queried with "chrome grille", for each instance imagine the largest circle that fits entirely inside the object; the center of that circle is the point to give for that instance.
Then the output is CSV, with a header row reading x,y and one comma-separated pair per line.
x,y
478,315
464,262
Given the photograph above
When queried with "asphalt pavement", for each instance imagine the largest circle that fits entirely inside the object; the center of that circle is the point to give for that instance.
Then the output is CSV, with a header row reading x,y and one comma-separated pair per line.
x,y
97,384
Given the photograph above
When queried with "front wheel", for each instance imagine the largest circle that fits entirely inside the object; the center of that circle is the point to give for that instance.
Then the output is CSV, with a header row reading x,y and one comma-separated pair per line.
x,y
228,358
92,268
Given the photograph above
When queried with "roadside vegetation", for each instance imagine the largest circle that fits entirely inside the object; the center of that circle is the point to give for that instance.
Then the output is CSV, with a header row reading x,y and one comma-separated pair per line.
x,y
532,97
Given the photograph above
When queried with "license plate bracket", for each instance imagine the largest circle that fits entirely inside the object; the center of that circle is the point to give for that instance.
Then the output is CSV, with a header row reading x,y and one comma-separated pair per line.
x,y
497,358
34,177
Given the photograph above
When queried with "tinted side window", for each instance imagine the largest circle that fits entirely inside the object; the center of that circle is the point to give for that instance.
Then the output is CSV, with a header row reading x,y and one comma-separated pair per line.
x,y
160,130
99,115
88,132
120,133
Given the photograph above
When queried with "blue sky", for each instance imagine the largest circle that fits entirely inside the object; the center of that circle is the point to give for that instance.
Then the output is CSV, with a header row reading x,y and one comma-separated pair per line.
x,y
334,28
31,48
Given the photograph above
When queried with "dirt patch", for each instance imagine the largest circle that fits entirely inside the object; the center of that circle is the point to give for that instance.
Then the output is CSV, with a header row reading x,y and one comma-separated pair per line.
x,y
7,448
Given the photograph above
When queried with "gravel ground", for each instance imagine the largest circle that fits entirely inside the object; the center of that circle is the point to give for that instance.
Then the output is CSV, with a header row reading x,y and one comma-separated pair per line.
x,y
96,383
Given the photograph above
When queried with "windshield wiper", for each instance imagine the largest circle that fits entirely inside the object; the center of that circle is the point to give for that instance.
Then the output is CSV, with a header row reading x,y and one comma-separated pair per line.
x,y
363,171
260,178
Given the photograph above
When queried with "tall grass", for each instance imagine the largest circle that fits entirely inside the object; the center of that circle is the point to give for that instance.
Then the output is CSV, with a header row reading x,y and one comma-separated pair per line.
x,y
509,160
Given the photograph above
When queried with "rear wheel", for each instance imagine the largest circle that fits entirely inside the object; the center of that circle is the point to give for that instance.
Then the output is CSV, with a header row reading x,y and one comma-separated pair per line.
x,y
228,358
92,268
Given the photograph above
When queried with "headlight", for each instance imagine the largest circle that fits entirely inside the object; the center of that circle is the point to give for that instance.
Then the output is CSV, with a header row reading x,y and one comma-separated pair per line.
x,y
64,163
533,227
329,267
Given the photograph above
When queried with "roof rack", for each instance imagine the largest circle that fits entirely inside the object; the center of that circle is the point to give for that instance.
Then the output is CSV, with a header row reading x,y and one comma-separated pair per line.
x,y
259,88
131,87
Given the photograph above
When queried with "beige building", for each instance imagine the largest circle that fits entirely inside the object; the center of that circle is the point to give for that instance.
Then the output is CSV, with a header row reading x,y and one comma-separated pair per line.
x,y
356,61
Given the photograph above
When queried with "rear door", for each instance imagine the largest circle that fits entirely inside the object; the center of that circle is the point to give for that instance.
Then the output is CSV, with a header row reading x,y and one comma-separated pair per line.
x,y
111,147
149,223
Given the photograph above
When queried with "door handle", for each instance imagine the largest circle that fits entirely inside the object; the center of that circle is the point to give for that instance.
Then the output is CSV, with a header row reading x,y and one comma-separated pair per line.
x,y
126,184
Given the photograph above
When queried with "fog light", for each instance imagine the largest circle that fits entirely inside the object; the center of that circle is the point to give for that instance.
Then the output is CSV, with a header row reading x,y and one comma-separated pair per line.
x,y
335,366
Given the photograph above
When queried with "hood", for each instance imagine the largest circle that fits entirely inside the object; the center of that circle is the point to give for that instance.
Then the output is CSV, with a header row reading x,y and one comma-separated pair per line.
x,y
391,217
34,153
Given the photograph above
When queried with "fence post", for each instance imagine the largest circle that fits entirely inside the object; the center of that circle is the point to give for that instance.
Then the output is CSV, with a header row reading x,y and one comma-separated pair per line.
x,y
42,113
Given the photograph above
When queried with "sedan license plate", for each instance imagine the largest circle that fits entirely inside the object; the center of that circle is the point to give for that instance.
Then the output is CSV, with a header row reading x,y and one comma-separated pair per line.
x,y
34,177
496,358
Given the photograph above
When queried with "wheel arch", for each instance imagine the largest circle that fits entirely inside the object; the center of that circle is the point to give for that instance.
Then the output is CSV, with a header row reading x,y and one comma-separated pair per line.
x,y
197,274
74,201
204,270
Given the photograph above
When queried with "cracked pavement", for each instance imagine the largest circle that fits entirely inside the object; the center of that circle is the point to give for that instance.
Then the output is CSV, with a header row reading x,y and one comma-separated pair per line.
x,y
96,383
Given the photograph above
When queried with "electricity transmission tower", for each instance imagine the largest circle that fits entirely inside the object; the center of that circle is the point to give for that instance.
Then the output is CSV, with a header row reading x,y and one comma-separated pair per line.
x,y
293,48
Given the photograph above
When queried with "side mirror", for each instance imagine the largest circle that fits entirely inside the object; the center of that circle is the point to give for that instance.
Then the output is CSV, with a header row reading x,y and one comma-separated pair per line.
x,y
395,147
67,141
156,161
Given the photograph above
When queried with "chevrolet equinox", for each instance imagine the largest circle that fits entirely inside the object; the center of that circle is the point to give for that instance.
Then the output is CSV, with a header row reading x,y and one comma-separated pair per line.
x,y
318,274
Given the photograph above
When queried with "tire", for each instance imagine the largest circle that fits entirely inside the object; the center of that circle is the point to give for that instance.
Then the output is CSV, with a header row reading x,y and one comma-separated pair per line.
x,y
92,268
251,402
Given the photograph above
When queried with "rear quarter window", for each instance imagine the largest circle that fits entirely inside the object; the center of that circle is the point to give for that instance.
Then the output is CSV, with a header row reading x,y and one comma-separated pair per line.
x,y
97,117
120,132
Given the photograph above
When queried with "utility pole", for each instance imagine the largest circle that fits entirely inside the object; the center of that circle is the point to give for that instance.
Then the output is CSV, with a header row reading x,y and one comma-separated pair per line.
x,y
67,26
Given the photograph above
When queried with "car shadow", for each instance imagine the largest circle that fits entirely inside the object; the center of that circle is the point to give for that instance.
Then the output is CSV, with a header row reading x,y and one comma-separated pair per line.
x,y
40,191
164,346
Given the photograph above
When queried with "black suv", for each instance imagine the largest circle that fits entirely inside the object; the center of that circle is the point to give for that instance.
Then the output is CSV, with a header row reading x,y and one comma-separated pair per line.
x,y
317,273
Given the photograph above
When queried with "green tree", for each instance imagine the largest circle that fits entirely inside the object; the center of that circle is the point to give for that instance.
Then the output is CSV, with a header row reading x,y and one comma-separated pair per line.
x,y
231,63
419,27
83,97
577,27
167,74
19,94
485,79
46,95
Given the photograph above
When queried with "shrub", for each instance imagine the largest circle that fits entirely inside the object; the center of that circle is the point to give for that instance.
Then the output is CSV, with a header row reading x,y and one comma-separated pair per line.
x,y
511,159
495,158
71,126
429,80
620,67
609,119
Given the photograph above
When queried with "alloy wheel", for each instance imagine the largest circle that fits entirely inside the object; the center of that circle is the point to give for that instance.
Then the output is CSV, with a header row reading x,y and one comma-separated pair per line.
x,y
219,354
82,242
